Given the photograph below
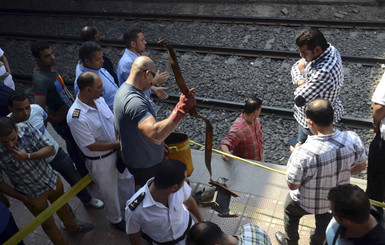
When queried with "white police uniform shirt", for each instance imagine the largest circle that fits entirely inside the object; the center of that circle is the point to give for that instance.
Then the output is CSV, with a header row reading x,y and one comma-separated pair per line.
x,y
159,222
89,125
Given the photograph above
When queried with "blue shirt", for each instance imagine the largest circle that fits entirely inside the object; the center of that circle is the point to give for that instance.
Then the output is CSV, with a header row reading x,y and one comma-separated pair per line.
x,y
124,68
109,85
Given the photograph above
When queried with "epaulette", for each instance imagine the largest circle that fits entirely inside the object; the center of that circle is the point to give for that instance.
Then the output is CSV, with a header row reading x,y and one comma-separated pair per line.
x,y
76,113
134,204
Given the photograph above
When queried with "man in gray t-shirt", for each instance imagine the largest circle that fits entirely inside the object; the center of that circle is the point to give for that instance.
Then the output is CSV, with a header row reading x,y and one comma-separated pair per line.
x,y
141,134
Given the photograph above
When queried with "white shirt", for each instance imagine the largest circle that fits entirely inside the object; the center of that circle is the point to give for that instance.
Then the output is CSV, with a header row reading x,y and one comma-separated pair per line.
x,y
379,98
159,222
89,125
8,80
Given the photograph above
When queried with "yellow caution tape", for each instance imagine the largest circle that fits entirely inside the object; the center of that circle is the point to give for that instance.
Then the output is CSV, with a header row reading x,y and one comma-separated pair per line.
x,y
175,148
43,216
375,203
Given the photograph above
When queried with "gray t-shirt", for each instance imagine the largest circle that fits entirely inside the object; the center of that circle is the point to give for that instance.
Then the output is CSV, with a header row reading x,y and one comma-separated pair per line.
x,y
131,107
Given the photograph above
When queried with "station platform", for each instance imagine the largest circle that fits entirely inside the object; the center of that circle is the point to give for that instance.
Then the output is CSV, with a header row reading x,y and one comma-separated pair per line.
x,y
261,202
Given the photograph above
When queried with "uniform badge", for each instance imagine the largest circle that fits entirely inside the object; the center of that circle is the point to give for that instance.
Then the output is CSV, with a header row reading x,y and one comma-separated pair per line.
x,y
134,204
76,113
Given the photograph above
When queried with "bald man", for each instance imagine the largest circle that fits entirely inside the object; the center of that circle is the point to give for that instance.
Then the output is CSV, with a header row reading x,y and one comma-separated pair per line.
x,y
91,33
325,160
141,134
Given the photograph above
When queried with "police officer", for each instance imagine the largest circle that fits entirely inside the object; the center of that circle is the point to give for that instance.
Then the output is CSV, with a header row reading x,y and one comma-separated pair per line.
x,y
92,126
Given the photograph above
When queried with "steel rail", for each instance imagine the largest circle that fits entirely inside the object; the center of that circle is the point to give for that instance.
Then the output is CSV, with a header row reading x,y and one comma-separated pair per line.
x,y
268,110
295,22
230,105
243,52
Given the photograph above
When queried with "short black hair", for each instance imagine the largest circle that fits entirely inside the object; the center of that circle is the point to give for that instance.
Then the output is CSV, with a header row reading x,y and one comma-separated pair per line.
x,y
7,125
131,35
205,233
320,113
169,172
87,49
16,96
37,47
312,38
252,104
350,202
85,80
88,33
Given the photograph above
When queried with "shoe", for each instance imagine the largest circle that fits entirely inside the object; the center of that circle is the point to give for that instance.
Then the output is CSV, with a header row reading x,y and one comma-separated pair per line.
x,y
121,225
94,203
281,238
85,227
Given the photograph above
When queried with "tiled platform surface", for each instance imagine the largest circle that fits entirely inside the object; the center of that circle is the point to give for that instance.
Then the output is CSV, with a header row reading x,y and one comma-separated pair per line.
x,y
262,194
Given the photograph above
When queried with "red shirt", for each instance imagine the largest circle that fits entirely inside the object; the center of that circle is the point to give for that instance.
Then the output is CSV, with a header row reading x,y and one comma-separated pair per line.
x,y
245,139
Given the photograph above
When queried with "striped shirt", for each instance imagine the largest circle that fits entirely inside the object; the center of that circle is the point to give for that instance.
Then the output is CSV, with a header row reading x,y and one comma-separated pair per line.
x,y
324,79
320,164
29,177
250,234
245,139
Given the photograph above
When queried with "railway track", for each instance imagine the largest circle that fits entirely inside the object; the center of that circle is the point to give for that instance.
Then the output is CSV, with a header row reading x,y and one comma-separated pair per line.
x,y
242,52
295,22
353,122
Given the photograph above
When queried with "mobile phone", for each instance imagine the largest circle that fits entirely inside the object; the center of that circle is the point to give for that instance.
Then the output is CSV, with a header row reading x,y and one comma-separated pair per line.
x,y
293,141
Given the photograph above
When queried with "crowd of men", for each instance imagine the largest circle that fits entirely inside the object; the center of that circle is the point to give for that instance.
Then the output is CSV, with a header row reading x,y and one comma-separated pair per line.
x,y
112,131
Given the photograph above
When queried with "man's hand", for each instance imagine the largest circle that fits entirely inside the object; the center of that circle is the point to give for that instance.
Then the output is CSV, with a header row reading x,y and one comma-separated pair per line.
x,y
160,77
301,66
19,154
3,77
160,92
296,147
186,102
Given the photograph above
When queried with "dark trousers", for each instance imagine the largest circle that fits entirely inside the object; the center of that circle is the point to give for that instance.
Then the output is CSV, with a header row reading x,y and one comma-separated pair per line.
x,y
72,148
9,231
293,213
141,175
376,170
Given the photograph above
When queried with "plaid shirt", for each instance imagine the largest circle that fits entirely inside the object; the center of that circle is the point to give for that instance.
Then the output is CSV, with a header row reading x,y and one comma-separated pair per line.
x,y
320,164
324,79
245,139
250,234
30,177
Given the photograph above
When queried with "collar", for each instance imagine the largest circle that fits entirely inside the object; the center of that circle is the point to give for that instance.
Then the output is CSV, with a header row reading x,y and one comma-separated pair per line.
x,y
148,199
130,53
84,69
326,137
326,53
83,106
37,67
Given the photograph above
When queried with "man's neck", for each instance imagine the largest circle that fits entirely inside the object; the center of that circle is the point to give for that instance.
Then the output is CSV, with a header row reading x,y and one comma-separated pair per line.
x,y
323,131
360,230
45,68
159,195
248,117
133,50
86,100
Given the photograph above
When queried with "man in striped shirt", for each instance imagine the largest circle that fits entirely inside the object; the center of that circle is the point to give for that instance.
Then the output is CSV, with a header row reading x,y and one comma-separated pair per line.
x,y
325,160
318,74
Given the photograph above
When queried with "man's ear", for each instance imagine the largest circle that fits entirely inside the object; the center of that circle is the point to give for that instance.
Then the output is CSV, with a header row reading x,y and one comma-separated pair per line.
x,y
174,187
309,122
317,50
133,44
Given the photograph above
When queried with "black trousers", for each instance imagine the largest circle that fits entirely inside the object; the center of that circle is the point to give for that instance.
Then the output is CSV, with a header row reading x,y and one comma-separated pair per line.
x,y
293,213
376,170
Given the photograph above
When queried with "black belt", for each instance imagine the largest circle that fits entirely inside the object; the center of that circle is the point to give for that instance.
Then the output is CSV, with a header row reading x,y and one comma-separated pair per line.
x,y
99,157
148,238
